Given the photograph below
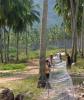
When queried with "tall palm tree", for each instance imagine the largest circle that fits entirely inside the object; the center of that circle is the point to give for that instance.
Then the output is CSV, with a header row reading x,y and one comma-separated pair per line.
x,y
32,16
3,12
43,39
16,14
1,46
74,14
73,20
27,16
82,33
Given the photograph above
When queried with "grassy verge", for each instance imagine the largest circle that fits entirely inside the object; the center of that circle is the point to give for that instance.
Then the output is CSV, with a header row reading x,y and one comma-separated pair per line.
x,y
35,54
77,80
25,86
12,66
78,68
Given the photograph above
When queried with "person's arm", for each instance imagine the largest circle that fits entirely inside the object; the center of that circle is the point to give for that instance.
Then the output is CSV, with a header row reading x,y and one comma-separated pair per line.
x,y
49,69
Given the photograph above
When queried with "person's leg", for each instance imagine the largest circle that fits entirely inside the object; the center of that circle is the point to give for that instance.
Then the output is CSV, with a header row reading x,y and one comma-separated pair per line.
x,y
47,76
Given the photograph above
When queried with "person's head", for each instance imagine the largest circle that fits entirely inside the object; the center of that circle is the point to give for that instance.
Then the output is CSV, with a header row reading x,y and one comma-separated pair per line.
x,y
51,56
47,61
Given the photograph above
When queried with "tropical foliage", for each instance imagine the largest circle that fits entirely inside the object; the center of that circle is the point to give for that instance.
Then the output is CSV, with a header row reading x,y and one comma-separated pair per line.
x,y
15,17
72,12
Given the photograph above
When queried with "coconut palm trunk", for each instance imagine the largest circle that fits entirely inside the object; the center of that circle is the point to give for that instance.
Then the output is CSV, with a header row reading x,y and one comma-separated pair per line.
x,y
1,46
17,46
8,44
43,39
64,21
78,43
5,46
82,34
26,44
74,13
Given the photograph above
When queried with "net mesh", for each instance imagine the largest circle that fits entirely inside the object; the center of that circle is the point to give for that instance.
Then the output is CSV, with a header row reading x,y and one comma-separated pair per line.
x,y
59,85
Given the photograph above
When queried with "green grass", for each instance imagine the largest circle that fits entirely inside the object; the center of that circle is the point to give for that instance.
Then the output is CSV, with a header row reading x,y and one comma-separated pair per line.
x,y
51,52
23,59
35,54
78,68
5,75
12,66
77,80
25,86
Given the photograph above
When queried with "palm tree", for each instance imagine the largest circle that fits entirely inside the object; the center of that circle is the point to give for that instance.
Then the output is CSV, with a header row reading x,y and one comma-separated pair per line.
x,y
72,20
32,16
23,18
3,13
1,46
82,34
74,14
43,39
16,15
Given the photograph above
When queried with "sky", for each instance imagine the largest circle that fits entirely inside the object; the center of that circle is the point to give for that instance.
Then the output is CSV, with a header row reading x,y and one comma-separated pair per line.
x,y
53,18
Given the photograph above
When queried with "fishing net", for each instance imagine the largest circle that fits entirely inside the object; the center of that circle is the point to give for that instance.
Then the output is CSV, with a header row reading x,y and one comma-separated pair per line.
x,y
59,85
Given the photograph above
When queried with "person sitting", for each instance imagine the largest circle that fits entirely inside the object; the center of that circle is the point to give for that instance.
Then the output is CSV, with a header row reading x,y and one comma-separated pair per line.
x,y
68,61
47,73
60,56
47,69
42,82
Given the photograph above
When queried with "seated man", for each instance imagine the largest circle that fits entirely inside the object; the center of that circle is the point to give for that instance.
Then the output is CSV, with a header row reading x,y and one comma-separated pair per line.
x,y
43,80
68,61
47,69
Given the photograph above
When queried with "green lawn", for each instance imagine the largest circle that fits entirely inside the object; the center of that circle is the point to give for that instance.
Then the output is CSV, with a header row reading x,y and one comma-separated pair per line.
x,y
78,68
12,66
33,54
29,85
26,86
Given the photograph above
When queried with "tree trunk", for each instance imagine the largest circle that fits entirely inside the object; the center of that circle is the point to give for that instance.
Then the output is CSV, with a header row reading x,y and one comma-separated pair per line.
x,y
64,21
82,45
17,47
82,35
74,12
27,36
5,46
27,45
43,39
1,46
65,43
8,44
78,43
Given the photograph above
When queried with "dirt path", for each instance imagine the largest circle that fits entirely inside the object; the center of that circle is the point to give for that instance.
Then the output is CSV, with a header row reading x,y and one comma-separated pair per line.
x,y
7,76
58,90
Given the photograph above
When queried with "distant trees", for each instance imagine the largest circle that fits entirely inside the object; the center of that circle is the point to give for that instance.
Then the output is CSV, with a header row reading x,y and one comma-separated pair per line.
x,y
57,33
72,16
15,16
82,33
